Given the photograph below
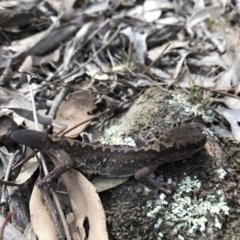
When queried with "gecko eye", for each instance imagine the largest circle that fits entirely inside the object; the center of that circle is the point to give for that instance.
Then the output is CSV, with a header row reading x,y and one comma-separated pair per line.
x,y
201,141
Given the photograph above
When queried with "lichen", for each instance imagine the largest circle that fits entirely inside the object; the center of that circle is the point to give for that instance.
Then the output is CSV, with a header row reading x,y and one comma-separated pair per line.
x,y
222,173
110,137
189,108
186,212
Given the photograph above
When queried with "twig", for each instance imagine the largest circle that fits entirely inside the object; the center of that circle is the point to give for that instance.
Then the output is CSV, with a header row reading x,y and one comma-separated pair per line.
x,y
93,34
11,157
6,71
52,211
57,101
147,68
55,197
51,208
10,213
97,52
219,92
62,216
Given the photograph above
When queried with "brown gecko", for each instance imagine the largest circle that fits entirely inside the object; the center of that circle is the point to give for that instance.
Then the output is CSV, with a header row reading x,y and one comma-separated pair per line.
x,y
115,161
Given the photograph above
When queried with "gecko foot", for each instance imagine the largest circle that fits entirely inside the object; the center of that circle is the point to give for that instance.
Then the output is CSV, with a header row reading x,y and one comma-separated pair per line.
x,y
160,187
45,183
143,141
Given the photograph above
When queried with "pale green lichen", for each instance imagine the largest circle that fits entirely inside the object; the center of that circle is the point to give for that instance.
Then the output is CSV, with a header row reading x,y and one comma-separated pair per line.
x,y
180,237
158,223
222,173
186,212
160,234
110,137
149,203
187,185
169,181
188,108
147,190
153,213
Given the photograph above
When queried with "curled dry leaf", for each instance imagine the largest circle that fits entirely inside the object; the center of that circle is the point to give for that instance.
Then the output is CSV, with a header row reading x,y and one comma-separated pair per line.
x,y
94,71
233,117
14,20
139,42
230,102
222,132
75,110
151,11
16,100
26,43
154,53
227,78
57,36
199,16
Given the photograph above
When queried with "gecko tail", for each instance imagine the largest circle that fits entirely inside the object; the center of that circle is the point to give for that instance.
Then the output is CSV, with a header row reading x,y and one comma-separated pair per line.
x,y
30,138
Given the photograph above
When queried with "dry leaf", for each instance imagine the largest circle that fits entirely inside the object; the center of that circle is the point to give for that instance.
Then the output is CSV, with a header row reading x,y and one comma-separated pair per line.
x,y
26,43
154,53
75,110
230,102
29,233
26,65
17,100
27,169
94,71
85,203
151,11
233,117
139,42
41,220
199,16
102,183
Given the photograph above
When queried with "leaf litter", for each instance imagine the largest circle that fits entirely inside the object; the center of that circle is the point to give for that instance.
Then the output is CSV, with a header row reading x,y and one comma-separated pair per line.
x,y
92,57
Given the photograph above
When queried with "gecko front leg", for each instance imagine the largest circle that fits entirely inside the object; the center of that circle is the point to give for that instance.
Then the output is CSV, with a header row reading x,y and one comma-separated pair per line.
x,y
62,163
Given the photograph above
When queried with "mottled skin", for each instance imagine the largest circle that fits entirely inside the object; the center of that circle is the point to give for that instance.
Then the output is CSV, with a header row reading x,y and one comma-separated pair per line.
x,y
116,161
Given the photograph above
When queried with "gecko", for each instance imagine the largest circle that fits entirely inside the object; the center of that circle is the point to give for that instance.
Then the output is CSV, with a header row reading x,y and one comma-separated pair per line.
x,y
176,144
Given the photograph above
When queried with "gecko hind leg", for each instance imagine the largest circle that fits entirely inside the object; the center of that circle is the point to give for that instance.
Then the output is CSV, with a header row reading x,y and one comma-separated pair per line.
x,y
142,176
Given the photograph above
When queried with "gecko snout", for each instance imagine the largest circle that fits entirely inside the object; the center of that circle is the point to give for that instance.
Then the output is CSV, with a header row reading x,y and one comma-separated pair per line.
x,y
30,138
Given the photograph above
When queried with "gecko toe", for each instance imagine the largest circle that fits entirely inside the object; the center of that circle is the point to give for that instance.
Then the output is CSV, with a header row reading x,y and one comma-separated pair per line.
x,y
44,184
162,187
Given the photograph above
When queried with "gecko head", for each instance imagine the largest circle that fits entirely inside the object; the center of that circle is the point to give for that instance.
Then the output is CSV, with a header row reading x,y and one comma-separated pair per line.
x,y
30,138
195,136
188,137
